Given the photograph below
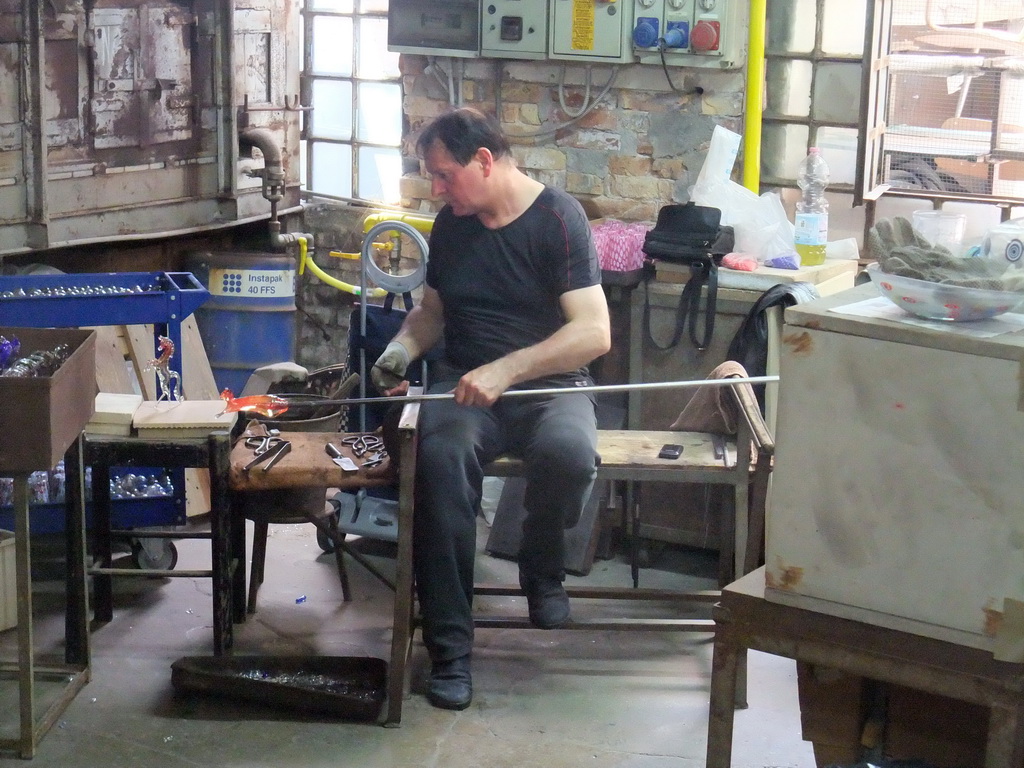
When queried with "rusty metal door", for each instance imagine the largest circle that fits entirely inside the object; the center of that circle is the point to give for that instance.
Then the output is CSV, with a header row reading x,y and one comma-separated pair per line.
x,y
142,74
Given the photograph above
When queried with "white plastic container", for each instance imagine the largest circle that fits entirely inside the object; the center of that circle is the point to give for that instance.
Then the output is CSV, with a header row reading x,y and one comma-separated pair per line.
x,y
942,228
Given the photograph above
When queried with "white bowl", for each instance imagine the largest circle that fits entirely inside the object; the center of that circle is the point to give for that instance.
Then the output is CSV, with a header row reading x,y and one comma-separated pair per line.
x,y
938,301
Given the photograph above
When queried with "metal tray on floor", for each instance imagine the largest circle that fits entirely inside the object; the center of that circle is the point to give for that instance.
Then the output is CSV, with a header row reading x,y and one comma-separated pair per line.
x,y
348,687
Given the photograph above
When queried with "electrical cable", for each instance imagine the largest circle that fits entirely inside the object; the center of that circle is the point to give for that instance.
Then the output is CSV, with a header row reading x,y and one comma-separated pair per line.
x,y
561,93
568,123
695,91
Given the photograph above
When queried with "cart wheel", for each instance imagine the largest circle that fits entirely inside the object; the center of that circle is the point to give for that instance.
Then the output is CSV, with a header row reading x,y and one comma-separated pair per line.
x,y
155,554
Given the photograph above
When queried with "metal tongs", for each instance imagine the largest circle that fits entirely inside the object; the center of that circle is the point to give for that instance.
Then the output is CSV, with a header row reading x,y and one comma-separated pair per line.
x,y
267,448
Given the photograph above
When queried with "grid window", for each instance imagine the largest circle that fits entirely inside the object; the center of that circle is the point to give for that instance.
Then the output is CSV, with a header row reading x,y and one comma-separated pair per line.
x,y
813,71
951,98
351,136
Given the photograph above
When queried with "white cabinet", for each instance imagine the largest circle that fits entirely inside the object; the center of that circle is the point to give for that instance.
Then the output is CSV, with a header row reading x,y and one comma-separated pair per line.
x,y
898,490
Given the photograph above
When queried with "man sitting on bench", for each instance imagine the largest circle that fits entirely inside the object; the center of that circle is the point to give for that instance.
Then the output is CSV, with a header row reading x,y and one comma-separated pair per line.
x,y
513,286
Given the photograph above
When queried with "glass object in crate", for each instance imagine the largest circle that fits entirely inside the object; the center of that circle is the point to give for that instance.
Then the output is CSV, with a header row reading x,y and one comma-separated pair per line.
x,y
39,364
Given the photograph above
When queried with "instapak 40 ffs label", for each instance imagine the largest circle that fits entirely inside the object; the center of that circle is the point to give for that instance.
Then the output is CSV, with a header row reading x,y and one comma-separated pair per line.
x,y
253,283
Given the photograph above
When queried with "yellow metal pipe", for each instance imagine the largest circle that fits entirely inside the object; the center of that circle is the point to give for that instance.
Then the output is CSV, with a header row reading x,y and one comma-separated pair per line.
x,y
422,223
754,96
306,261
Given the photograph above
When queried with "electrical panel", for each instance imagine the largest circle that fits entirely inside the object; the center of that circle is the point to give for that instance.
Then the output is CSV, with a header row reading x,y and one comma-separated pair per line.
x,y
692,33
591,30
449,28
514,29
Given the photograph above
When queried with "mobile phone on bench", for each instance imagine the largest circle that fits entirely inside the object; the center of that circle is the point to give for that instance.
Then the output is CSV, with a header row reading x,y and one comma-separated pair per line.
x,y
670,451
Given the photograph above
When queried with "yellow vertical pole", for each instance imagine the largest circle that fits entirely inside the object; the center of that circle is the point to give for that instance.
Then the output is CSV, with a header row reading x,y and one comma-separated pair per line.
x,y
754,96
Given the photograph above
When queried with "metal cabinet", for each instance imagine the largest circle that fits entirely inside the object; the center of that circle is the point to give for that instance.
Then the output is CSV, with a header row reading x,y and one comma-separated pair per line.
x,y
896,495
120,118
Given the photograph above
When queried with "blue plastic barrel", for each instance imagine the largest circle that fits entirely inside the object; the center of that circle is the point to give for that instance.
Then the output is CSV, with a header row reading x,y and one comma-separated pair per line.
x,y
249,320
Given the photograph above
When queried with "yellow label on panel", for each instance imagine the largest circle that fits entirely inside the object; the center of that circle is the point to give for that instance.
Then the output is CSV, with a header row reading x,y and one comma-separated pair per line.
x,y
583,25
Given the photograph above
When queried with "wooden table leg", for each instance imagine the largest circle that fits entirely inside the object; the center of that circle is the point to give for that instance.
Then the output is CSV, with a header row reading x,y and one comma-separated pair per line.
x,y
721,707
1005,747
402,628
219,449
102,584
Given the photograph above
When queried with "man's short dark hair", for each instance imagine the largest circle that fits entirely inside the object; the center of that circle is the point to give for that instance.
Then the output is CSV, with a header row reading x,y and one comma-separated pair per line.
x,y
462,132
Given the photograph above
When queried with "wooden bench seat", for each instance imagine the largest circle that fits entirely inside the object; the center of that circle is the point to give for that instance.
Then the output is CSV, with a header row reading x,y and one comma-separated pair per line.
x,y
630,456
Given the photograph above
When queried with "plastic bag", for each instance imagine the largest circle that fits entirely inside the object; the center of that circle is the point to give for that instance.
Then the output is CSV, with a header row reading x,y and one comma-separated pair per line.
x,y
762,228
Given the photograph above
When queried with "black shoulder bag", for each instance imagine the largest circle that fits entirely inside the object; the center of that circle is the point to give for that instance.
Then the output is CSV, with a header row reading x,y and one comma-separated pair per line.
x,y
689,234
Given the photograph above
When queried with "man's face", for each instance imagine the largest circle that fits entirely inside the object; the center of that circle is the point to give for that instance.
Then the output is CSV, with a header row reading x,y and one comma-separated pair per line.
x,y
461,186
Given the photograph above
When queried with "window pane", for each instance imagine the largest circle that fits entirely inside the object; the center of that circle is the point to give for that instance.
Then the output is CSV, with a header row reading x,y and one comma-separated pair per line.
x,y
839,148
782,149
837,92
788,87
379,171
380,113
332,45
373,6
332,169
791,26
303,148
332,110
843,28
338,6
376,62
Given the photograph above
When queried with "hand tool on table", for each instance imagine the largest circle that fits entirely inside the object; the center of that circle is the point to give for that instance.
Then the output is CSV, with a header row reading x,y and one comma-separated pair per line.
x,y
340,459
375,459
363,444
269,449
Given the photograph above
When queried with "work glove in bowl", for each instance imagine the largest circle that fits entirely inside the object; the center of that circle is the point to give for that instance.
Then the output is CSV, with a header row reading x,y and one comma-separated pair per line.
x,y
389,370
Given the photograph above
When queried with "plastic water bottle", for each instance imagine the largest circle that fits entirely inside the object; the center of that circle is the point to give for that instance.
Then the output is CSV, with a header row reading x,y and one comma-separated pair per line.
x,y
811,233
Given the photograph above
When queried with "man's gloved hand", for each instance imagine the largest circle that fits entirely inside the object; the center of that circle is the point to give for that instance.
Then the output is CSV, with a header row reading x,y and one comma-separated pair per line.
x,y
389,370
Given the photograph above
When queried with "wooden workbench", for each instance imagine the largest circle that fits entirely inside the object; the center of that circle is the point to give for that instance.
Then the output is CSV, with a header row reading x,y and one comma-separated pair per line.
x,y
307,465
745,620
625,455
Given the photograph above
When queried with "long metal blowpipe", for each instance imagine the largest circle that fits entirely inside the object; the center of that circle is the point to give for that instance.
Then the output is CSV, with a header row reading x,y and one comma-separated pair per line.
x,y
552,391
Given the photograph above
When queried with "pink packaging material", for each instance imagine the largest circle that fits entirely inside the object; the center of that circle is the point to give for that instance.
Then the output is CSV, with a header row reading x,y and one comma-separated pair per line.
x,y
620,245
739,261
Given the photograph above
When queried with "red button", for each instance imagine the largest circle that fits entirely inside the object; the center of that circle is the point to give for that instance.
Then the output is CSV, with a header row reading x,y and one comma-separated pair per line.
x,y
705,35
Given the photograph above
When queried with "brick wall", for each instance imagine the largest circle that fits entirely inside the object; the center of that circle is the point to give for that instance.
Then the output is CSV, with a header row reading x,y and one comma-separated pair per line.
x,y
641,146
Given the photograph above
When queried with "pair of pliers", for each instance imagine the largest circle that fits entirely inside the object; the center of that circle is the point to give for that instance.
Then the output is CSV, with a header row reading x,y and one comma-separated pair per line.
x,y
268,449
363,444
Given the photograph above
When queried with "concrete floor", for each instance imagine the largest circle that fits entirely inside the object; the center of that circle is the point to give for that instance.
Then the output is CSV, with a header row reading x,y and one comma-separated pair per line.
x,y
555,698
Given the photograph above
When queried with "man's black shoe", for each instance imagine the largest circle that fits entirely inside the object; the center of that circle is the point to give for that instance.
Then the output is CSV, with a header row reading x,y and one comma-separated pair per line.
x,y
546,598
451,686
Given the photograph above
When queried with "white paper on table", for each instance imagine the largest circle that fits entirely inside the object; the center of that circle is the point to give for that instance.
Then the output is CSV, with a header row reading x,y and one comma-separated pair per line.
x,y
884,309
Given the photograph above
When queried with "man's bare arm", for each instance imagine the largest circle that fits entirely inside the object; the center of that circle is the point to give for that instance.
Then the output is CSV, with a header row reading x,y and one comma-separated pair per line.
x,y
585,336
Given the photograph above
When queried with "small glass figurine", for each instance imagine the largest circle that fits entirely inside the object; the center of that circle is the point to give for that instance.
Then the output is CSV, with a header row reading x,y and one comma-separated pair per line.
x,y
168,379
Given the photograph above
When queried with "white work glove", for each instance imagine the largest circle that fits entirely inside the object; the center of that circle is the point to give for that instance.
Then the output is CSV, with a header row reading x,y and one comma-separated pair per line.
x,y
389,370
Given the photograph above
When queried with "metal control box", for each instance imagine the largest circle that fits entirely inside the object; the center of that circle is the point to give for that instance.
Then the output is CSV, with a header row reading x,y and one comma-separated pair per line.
x,y
514,29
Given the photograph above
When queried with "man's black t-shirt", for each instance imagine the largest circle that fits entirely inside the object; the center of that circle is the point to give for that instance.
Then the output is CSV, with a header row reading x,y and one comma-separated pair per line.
x,y
500,288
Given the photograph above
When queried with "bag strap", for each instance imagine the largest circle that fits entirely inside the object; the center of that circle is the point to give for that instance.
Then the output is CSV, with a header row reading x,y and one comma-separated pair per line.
x,y
688,309
389,301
